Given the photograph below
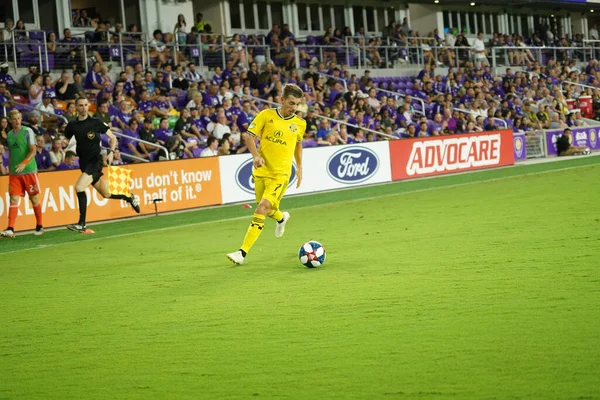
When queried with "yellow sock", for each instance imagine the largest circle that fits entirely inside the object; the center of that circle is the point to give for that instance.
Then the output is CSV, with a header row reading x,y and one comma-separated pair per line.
x,y
258,222
277,215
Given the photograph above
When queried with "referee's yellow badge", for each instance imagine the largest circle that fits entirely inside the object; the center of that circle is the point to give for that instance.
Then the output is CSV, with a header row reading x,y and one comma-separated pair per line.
x,y
119,180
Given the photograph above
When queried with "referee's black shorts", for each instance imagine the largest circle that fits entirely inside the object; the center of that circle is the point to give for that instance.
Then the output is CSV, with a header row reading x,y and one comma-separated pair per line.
x,y
93,168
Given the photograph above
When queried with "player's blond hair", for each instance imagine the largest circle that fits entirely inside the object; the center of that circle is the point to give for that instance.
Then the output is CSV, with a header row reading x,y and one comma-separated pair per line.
x,y
292,90
13,113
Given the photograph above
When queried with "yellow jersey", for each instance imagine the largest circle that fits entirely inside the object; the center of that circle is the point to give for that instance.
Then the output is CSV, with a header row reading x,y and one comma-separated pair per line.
x,y
278,138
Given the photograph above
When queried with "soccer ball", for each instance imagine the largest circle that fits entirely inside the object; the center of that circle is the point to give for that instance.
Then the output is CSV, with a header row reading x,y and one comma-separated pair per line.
x,y
312,254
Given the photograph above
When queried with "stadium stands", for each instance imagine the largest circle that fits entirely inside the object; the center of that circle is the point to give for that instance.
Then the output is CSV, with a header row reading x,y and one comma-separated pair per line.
x,y
162,87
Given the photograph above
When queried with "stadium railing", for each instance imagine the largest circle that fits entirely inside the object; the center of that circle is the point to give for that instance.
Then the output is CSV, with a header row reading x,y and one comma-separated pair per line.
x,y
119,133
500,56
30,108
422,111
337,78
116,131
329,119
502,122
27,47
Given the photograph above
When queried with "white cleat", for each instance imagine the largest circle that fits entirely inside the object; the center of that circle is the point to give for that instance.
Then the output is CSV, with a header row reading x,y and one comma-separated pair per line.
x,y
236,257
7,234
280,227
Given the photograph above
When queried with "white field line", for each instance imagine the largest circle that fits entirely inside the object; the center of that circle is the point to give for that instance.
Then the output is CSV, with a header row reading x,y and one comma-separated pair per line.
x,y
299,208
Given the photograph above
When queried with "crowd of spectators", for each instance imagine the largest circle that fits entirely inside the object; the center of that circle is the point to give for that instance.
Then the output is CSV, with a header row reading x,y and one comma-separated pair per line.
x,y
174,107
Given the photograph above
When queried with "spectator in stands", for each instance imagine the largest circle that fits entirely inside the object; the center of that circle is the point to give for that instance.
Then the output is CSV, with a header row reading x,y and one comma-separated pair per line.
x,y
93,79
71,111
162,107
219,128
46,108
57,154
34,123
26,80
69,162
42,157
180,29
192,74
49,86
5,97
163,132
146,133
161,84
3,160
148,84
185,126
158,49
123,116
145,104
78,85
200,22
51,42
81,19
6,78
36,90
20,31
576,119
179,80
555,122
224,146
4,129
211,147
127,144
236,51
480,56
6,33
64,89
564,147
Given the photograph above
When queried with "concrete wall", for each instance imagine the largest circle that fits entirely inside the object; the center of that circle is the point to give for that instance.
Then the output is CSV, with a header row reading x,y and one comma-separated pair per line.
x,y
211,11
424,18
155,14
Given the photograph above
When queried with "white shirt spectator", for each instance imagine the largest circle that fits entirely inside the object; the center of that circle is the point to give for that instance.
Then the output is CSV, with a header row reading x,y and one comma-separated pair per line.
x,y
192,104
158,45
49,109
193,76
218,130
450,40
208,152
479,48
593,34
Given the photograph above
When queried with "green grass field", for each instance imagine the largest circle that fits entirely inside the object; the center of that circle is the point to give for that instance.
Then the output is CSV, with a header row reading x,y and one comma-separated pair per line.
x,y
474,286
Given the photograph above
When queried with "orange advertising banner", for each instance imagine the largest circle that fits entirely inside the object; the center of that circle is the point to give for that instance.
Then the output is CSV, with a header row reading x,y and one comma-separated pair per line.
x,y
181,184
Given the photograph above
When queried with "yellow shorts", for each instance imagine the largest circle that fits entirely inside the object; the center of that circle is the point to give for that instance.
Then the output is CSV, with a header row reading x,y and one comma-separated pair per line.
x,y
271,189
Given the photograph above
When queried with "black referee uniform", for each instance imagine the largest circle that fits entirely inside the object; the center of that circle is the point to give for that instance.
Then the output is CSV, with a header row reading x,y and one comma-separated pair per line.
x,y
88,135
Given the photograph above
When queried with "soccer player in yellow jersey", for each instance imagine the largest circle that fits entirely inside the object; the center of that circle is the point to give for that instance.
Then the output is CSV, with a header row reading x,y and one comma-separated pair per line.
x,y
280,132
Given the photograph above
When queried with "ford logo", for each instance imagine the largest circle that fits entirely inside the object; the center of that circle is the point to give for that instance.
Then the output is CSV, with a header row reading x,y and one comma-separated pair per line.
x,y
352,165
245,180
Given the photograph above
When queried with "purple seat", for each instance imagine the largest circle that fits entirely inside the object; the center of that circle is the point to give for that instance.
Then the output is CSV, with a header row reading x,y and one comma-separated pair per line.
x,y
37,36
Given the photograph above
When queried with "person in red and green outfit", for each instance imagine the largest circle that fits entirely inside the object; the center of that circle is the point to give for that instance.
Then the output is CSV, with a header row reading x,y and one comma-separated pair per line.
x,y
23,173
